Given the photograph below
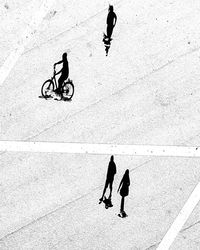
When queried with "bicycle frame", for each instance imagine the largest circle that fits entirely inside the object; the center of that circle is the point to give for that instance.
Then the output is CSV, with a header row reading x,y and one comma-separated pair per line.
x,y
51,85
53,78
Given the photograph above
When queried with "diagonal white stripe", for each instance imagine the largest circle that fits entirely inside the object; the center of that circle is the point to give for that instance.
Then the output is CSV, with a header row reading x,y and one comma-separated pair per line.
x,y
85,148
137,150
180,219
26,37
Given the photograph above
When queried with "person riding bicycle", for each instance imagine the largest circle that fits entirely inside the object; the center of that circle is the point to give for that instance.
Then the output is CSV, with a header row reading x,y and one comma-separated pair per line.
x,y
64,72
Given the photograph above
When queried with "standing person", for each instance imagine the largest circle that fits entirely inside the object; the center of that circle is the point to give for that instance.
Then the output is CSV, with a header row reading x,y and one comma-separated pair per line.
x,y
109,178
124,191
64,72
111,21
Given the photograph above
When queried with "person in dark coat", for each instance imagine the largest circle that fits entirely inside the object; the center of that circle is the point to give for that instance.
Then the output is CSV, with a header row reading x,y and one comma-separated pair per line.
x,y
109,178
111,21
124,191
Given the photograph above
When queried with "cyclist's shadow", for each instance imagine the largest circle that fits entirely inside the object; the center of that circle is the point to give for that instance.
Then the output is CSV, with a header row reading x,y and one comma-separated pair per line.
x,y
50,85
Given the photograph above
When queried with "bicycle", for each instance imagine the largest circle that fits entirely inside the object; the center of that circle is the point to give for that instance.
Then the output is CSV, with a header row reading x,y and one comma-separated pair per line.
x,y
48,87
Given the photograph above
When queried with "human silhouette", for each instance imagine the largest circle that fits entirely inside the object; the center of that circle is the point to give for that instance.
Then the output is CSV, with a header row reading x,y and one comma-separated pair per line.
x,y
64,72
109,180
107,43
124,191
111,21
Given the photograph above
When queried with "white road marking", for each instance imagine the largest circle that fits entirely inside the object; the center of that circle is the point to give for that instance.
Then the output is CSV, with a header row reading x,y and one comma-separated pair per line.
x,y
85,148
180,219
26,37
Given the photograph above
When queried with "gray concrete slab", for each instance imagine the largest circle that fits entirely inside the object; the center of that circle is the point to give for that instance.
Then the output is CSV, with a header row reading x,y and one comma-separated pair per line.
x,y
145,92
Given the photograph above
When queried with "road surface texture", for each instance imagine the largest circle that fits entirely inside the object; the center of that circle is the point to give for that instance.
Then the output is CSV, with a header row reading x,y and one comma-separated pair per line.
x,y
146,91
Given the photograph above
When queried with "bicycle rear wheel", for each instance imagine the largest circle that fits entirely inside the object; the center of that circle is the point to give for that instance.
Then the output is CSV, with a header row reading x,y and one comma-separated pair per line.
x,y
47,88
68,90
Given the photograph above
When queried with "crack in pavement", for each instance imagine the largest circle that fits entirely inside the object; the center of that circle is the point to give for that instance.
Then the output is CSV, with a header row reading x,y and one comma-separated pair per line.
x,y
194,224
183,230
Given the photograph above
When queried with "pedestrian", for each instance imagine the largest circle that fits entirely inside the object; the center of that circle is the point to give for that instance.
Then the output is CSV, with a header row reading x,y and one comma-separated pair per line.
x,y
109,178
111,21
124,191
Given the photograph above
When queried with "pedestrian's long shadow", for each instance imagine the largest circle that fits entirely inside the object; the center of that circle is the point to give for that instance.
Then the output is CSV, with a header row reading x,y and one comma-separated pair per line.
x,y
107,43
111,22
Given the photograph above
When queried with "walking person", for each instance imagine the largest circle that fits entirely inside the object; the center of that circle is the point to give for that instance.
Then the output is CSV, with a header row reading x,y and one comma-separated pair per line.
x,y
111,21
124,191
109,178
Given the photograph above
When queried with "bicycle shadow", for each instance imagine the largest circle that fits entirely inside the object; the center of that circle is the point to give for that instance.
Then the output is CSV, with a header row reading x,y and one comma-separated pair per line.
x,y
40,96
54,98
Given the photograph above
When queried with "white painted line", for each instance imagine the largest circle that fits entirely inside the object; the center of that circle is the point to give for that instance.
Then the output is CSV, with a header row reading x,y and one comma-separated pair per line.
x,y
26,37
84,148
180,219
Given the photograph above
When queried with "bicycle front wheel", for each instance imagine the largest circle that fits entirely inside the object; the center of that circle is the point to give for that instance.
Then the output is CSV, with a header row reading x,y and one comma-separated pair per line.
x,y
68,90
47,88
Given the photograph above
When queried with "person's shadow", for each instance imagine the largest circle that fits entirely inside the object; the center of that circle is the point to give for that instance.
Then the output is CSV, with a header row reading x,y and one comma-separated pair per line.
x,y
109,183
111,22
107,43
107,202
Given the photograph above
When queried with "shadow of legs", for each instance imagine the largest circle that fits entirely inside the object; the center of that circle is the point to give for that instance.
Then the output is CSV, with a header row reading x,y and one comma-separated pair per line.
x,y
122,204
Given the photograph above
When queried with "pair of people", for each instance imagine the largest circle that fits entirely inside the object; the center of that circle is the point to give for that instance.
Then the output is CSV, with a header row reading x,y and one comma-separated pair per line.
x,y
123,186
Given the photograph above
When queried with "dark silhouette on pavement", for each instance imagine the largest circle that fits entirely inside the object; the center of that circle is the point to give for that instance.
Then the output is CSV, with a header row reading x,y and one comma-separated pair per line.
x,y
64,89
111,22
64,72
109,182
124,191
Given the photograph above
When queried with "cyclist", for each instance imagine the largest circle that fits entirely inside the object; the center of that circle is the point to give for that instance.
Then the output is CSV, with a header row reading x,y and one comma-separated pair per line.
x,y
64,73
